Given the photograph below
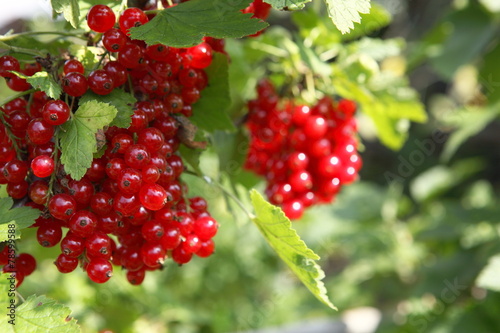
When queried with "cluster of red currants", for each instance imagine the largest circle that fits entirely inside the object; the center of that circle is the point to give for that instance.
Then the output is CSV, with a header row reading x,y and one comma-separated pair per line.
x,y
19,265
305,153
130,208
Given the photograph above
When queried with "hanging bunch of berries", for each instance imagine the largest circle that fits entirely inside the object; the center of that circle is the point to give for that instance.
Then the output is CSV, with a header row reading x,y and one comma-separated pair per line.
x,y
130,208
306,153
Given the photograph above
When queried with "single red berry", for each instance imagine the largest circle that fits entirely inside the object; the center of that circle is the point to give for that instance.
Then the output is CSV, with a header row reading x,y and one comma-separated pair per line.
x,y
126,204
153,196
132,17
101,18
114,40
99,270
98,245
153,254
83,223
131,258
49,235
101,203
72,245
82,190
42,166
205,227
39,191
55,112
66,264
26,263
200,56
181,256
293,209
117,72
171,238
73,65
62,206
136,277
191,243
74,84
39,132
207,248
8,63
130,181
137,156
15,171
152,231
101,82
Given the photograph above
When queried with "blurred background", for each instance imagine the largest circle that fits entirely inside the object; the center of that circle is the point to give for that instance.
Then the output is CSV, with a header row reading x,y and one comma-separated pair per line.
x,y
408,248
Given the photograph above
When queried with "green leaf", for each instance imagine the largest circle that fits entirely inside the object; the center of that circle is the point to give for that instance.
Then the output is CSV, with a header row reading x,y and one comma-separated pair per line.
x,y
69,8
278,232
489,75
287,4
192,157
209,113
489,276
187,23
122,101
15,218
77,136
41,314
376,19
389,108
470,122
345,12
44,82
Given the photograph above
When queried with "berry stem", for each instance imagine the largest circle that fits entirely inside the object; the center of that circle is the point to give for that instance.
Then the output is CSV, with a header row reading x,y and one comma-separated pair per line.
x,y
22,50
16,96
227,193
55,157
11,136
103,56
34,33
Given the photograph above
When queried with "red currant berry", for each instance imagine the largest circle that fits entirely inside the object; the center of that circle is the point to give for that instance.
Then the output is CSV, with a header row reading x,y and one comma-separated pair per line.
x,y
26,263
73,65
99,270
74,84
153,196
72,245
49,235
39,132
114,40
55,112
83,223
136,277
205,227
98,245
42,166
101,18
132,17
100,82
153,254
207,248
66,264
62,206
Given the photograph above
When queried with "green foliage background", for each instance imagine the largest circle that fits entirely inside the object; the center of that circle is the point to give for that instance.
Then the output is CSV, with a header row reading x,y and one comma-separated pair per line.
x,y
424,216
